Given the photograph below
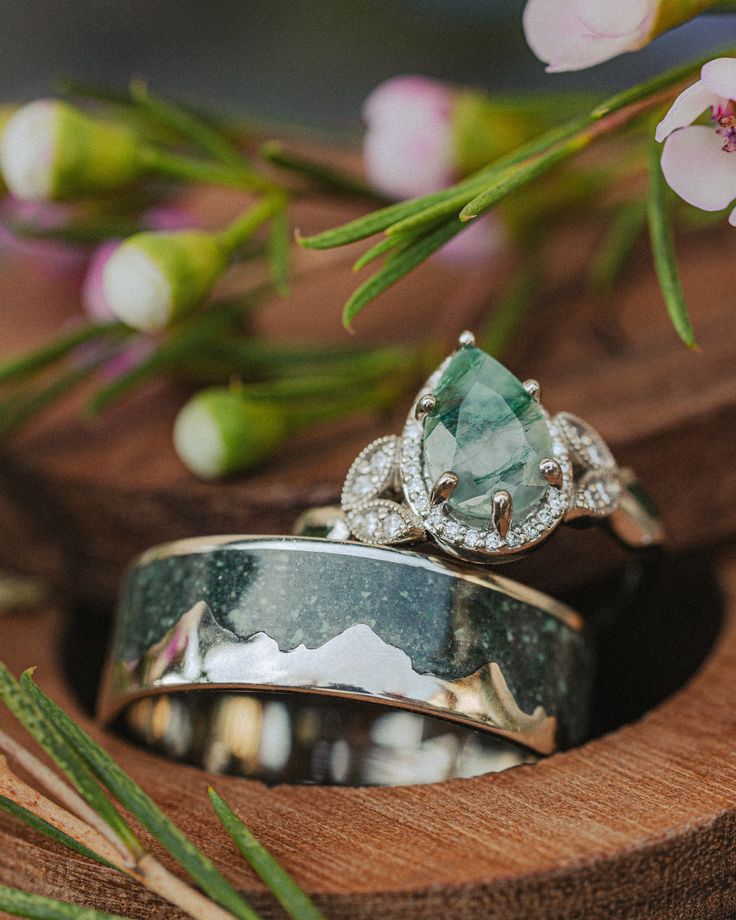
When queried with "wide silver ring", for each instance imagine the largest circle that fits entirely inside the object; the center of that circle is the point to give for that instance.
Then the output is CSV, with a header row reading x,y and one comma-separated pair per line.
x,y
307,660
485,473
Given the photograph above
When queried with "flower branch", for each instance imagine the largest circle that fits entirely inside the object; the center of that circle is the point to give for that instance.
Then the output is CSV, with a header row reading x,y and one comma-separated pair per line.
x,y
417,228
89,824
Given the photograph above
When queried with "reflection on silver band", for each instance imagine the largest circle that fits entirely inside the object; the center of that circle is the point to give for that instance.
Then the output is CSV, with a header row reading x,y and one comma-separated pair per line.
x,y
294,739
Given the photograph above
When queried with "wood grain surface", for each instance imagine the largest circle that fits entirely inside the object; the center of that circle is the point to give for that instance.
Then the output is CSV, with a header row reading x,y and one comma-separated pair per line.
x,y
639,823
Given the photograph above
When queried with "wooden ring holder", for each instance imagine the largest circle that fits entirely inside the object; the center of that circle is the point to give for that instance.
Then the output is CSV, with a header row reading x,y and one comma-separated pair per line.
x,y
637,823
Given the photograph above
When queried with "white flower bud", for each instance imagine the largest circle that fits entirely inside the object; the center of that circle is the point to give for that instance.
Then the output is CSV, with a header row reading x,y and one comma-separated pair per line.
x,y
220,432
153,278
51,151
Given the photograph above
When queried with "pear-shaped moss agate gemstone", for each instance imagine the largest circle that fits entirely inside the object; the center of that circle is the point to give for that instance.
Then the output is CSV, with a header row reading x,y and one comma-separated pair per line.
x,y
490,432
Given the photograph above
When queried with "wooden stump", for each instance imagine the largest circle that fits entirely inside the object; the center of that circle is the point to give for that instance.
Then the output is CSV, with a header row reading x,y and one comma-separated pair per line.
x,y
639,822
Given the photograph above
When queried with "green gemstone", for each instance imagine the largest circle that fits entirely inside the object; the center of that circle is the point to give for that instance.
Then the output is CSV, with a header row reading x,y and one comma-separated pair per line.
x,y
489,431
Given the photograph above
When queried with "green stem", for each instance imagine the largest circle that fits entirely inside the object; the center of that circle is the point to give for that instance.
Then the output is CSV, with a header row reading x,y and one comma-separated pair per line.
x,y
378,399
186,124
27,407
329,179
27,364
663,249
186,339
176,166
244,226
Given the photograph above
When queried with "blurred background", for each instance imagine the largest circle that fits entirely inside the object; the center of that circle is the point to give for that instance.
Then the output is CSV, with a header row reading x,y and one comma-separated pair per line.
x,y
311,62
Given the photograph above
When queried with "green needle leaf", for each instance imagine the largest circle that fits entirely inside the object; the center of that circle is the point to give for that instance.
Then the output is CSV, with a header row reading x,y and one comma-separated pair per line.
x,y
328,178
29,363
515,178
279,242
615,249
663,249
377,222
26,405
24,904
399,265
38,824
141,806
382,247
516,301
186,124
434,213
64,756
292,898
185,340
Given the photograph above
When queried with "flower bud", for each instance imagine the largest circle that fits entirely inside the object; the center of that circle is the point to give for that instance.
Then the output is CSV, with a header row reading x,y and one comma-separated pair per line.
x,y
423,135
52,151
408,147
153,278
95,302
574,34
219,431
6,111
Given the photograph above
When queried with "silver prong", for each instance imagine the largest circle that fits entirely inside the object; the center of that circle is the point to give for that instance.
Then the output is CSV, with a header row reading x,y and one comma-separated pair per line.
x,y
443,488
425,406
533,389
466,339
552,472
502,509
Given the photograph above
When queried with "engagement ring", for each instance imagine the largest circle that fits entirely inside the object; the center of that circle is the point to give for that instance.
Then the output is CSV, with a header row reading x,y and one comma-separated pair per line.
x,y
484,472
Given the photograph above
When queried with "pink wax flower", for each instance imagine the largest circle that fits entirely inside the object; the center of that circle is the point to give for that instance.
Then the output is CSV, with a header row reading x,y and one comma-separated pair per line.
x,y
409,150
699,161
93,292
574,34
49,257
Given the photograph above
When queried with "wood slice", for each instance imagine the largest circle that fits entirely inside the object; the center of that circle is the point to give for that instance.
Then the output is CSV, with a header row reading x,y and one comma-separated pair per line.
x,y
76,503
638,823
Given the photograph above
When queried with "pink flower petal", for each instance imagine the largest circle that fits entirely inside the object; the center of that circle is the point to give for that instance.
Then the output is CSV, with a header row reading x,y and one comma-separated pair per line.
x,y
698,170
720,77
558,36
732,218
409,148
95,302
685,109
390,99
614,19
